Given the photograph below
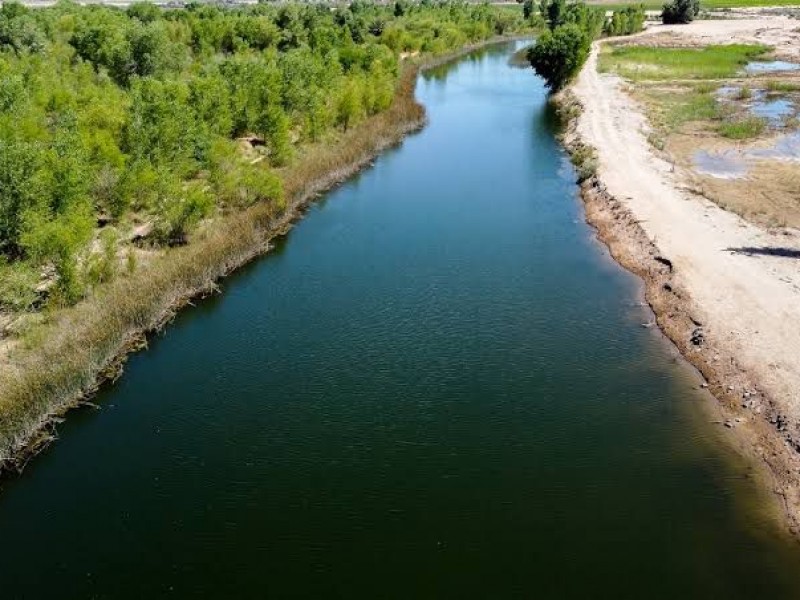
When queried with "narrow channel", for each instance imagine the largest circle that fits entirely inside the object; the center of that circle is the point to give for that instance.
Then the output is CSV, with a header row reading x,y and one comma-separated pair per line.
x,y
436,386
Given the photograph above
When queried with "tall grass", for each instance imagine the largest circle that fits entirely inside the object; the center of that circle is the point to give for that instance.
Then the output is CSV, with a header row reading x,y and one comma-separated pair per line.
x,y
82,345
659,64
782,86
742,129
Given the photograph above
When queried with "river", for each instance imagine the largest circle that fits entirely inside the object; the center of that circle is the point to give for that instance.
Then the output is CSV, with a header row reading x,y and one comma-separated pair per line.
x,y
436,386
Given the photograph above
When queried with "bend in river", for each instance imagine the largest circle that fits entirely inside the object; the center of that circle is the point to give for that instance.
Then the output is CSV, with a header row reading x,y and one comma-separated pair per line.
x,y
437,386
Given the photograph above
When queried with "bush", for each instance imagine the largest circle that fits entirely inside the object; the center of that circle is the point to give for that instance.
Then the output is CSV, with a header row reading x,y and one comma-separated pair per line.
x,y
559,55
680,11
17,285
180,208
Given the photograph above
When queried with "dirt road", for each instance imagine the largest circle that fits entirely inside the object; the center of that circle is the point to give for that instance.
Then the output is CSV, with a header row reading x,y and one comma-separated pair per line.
x,y
742,282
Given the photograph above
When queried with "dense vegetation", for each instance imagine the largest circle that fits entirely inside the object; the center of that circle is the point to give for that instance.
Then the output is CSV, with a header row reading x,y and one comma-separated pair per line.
x,y
560,52
133,126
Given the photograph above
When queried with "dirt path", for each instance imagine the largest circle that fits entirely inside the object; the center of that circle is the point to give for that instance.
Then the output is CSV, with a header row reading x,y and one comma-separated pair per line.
x,y
743,283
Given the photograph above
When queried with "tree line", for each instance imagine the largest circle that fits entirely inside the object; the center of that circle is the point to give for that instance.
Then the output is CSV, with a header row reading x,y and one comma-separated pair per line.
x,y
563,48
113,117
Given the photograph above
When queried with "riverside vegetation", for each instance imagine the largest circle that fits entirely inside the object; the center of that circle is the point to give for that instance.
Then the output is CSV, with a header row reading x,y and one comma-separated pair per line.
x,y
146,152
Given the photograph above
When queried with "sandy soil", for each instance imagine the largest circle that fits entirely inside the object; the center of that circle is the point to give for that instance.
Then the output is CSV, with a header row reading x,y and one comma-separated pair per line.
x,y
782,32
730,294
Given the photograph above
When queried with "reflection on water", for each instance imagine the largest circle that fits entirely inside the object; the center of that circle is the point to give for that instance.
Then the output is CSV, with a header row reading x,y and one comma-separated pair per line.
x,y
775,111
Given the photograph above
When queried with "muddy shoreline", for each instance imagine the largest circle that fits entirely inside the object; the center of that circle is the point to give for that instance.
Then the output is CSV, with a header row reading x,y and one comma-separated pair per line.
x,y
762,438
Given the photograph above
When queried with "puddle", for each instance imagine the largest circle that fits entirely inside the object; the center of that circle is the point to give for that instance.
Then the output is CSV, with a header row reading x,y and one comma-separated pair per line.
x,y
786,147
731,92
771,66
775,111
733,164
722,165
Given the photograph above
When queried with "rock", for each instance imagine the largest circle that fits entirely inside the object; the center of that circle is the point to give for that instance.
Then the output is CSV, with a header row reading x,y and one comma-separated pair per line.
x,y
704,385
697,338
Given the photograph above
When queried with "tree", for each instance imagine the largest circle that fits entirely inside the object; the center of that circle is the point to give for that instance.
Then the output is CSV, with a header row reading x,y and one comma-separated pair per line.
x,y
554,9
17,193
527,9
680,11
558,55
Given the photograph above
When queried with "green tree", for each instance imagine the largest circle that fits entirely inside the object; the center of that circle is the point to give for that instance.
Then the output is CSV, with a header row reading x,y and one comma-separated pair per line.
x,y
680,11
559,55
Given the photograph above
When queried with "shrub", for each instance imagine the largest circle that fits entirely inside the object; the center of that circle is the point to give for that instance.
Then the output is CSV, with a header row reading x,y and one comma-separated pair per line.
x,y
180,209
680,11
17,285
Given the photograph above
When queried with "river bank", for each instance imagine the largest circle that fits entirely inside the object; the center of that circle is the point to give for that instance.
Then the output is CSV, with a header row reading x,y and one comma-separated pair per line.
x,y
429,375
86,346
733,315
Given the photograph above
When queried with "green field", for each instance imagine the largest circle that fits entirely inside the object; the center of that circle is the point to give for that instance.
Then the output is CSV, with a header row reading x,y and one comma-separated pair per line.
x,y
659,64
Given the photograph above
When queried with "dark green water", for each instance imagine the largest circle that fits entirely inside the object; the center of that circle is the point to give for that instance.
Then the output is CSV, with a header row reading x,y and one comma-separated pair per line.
x,y
436,387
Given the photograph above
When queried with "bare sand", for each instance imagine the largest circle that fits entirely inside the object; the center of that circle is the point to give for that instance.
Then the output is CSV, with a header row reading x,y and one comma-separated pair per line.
x,y
725,290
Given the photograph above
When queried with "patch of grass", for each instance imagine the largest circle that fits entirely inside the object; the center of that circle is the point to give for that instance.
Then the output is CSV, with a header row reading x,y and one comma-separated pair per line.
x,y
660,64
742,129
688,107
782,86
705,87
744,93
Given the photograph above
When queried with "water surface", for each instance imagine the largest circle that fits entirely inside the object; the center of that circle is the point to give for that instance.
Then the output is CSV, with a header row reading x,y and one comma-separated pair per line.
x,y
437,386
758,67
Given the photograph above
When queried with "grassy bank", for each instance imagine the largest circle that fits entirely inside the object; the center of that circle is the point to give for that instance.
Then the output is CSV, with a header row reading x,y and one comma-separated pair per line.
x,y
80,347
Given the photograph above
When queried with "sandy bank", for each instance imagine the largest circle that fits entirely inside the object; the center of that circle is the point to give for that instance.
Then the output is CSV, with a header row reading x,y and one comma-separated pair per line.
x,y
725,291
